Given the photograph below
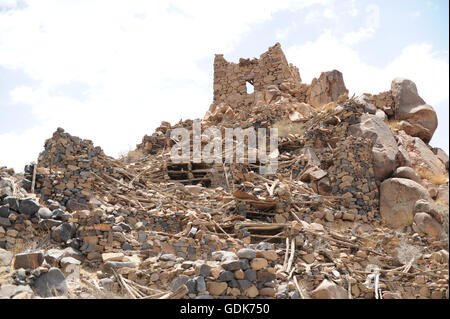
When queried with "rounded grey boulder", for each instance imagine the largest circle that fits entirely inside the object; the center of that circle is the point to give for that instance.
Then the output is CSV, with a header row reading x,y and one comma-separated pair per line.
x,y
51,283
45,213
28,206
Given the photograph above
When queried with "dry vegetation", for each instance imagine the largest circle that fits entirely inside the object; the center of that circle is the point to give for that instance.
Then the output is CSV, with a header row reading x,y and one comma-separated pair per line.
x,y
437,179
394,125
286,127
131,156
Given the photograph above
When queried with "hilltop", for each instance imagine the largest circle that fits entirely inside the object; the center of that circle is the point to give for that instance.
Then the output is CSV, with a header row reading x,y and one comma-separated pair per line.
x,y
357,207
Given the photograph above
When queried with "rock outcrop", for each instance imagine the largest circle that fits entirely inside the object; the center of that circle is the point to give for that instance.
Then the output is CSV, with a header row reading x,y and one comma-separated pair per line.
x,y
419,118
397,199
329,87
385,149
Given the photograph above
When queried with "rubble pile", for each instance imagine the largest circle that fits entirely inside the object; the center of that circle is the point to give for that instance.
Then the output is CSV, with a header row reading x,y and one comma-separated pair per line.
x,y
358,207
67,170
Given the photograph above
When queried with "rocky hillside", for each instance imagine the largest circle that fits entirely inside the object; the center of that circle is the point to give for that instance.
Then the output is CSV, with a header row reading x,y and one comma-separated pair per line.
x,y
358,207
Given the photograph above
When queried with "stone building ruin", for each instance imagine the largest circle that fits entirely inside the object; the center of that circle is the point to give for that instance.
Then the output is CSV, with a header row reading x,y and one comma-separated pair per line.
x,y
271,70
230,78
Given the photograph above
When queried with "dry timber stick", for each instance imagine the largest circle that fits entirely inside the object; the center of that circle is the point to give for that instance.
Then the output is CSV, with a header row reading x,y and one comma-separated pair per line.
x,y
268,188
128,288
300,292
166,194
427,272
286,255
178,294
261,213
272,188
226,175
264,228
138,175
112,179
291,258
343,243
268,237
377,282
227,204
136,286
123,284
263,178
126,199
409,265
136,291
291,273
349,290
215,223
90,284
262,224
155,296
34,177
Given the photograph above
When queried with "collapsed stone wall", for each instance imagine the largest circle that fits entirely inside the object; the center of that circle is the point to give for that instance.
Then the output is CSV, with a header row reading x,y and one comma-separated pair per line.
x,y
152,144
66,169
346,162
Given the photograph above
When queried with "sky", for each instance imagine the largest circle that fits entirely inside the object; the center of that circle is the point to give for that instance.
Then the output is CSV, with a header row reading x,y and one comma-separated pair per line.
x,y
111,71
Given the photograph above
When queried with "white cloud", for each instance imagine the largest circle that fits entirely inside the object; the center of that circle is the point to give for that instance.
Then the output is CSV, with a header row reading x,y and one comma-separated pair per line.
x,y
418,62
352,10
372,23
328,13
329,52
282,33
8,4
138,61
415,14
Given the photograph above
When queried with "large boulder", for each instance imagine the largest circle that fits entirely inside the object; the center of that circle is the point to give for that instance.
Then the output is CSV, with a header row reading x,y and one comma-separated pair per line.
x,y
6,187
8,291
420,119
13,202
368,107
63,232
407,172
28,206
428,225
429,207
51,283
386,154
4,211
422,158
443,195
328,88
329,290
5,257
440,153
397,199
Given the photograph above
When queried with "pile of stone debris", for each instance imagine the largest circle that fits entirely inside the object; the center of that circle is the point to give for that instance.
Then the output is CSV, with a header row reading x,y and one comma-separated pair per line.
x,y
358,207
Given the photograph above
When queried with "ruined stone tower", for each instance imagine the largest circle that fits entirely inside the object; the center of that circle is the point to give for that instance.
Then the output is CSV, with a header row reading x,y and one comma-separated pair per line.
x,y
230,78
